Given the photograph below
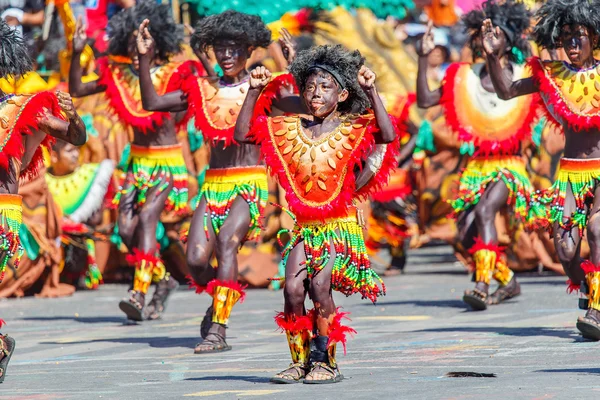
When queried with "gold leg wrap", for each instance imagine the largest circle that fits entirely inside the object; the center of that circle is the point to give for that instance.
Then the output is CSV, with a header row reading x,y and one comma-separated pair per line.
x,y
502,273
147,271
485,263
224,298
593,282
299,342
331,353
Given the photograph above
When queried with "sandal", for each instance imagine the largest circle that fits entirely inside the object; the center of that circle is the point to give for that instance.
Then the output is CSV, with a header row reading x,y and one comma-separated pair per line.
x,y
7,348
476,299
295,373
589,326
212,347
323,368
157,305
512,289
206,322
133,307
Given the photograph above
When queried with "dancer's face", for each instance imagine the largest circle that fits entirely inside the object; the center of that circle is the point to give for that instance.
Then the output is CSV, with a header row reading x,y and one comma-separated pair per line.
x,y
322,94
66,160
578,43
231,56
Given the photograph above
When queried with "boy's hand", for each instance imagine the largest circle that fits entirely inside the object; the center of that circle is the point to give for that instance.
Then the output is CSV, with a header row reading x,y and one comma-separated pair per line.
x,y
66,104
366,78
426,44
80,37
145,42
493,42
259,77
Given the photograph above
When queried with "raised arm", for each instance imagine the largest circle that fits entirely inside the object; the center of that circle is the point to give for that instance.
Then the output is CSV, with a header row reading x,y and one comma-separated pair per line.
x,y
426,97
172,101
210,71
386,133
259,78
73,130
76,87
505,88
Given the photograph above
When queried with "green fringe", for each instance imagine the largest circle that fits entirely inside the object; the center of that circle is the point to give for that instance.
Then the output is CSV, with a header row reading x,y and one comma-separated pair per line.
x,y
528,211
425,138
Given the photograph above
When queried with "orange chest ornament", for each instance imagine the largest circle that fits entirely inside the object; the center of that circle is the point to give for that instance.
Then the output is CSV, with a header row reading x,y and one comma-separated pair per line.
x,y
216,106
218,109
482,121
319,172
19,115
124,94
571,96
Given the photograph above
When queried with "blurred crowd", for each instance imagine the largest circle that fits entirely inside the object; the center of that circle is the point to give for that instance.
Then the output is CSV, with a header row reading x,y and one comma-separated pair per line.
x,y
69,230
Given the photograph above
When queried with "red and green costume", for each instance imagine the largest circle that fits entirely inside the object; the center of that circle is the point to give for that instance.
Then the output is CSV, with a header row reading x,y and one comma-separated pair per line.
x,y
572,98
147,167
319,180
492,131
19,116
215,108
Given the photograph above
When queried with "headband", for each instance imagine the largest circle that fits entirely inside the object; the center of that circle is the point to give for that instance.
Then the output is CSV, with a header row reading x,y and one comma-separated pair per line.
x,y
330,71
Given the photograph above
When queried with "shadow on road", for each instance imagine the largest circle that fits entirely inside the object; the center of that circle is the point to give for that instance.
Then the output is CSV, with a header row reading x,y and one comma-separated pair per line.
x,y
594,371
422,303
431,259
555,282
521,332
84,320
160,342
251,379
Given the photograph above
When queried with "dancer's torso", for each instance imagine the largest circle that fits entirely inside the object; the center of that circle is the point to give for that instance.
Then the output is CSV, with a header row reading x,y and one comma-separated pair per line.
x,y
482,120
572,97
220,107
21,152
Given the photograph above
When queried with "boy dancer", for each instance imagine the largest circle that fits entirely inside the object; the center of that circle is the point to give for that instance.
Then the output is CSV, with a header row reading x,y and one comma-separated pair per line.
x,y
493,132
235,190
316,162
27,123
156,175
571,92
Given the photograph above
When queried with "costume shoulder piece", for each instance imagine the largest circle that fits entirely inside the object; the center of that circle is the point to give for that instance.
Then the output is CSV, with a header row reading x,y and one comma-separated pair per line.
x,y
124,95
571,96
216,106
19,115
82,193
480,118
317,175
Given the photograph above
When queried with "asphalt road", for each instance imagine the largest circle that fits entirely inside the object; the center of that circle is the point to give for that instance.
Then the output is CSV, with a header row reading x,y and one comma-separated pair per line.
x,y
80,348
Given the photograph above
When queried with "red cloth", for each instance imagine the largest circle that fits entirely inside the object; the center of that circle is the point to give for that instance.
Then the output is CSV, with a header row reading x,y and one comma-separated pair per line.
x,y
96,12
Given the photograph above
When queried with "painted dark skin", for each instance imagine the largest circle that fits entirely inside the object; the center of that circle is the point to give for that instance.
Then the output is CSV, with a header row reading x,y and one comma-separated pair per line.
x,y
480,220
578,43
322,96
137,225
232,58
72,131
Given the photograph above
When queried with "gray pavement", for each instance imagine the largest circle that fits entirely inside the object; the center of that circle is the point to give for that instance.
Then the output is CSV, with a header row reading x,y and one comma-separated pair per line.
x,y
79,348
